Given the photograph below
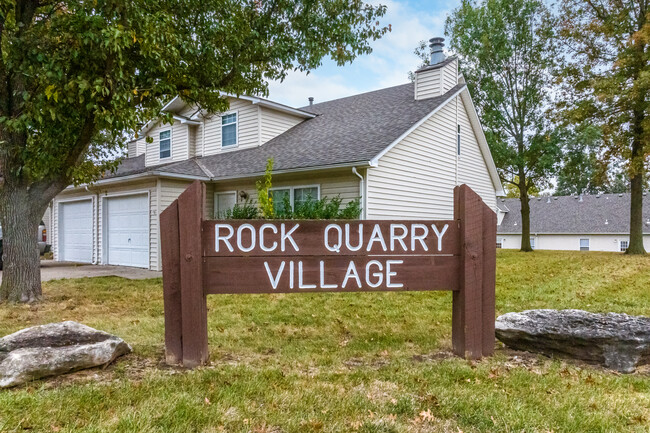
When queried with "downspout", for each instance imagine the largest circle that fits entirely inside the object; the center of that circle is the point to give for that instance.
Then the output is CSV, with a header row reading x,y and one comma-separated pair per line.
x,y
361,192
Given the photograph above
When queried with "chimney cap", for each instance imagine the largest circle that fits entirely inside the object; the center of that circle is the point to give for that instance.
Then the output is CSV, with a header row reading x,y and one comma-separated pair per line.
x,y
311,100
437,56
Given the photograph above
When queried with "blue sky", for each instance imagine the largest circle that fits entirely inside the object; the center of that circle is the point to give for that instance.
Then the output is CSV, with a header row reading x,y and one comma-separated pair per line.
x,y
388,64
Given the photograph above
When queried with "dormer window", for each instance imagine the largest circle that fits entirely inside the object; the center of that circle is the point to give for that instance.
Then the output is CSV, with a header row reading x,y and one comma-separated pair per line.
x,y
229,130
166,144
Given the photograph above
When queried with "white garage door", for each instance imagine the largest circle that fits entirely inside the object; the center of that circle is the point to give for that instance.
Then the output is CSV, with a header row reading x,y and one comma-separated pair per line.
x,y
76,231
127,230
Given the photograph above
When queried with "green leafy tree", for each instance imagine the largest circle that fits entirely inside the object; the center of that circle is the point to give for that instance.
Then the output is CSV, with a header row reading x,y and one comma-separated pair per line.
x,y
77,76
582,172
607,82
507,52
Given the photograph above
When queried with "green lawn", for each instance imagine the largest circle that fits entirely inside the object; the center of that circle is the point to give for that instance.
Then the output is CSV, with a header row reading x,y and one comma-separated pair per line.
x,y
338,362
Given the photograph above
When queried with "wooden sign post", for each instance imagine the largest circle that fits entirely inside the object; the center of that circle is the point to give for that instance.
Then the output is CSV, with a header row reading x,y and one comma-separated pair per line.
x,y
291,256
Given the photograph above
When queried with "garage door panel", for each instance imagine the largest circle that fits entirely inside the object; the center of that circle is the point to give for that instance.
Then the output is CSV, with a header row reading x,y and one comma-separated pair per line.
x,y
76,231
127,230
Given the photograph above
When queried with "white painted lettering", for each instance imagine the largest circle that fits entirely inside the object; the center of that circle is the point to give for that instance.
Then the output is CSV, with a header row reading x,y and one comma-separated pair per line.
x,y
351,273
284,235
376,237
241,228
291,274
274,280
218,237
390,274
399,238
300,277
420,238
378,275
337,246
322,278
347,238
440,234
274,245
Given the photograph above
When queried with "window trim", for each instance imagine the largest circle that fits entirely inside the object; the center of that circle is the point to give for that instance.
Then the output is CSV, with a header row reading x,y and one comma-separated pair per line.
x,y
620,245
500,243
580,244
171,135
216,201
230,146
291,191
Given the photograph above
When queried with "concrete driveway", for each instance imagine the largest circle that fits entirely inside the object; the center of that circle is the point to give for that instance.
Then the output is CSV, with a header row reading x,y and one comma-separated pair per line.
x,y
51,270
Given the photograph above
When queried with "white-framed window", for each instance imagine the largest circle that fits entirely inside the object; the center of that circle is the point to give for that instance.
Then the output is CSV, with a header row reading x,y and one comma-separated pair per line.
x,y
532,242
296,195
623,245
499,243
165,144
584,244
229,130
224,201
458,141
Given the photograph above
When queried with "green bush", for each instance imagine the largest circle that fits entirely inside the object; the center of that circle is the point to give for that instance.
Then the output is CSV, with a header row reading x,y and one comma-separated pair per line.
x,y
323,209
245,211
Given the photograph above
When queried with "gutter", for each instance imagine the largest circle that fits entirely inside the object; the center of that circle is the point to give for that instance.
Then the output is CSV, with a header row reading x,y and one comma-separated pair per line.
x,y
209,177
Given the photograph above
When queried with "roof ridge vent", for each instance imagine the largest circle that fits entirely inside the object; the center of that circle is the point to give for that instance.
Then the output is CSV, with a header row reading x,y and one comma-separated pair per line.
x,y
620,195
548,200
580,198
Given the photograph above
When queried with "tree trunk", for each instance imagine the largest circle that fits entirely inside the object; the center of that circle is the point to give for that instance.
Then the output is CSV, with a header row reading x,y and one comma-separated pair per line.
x,y
20,217
525,215
637,167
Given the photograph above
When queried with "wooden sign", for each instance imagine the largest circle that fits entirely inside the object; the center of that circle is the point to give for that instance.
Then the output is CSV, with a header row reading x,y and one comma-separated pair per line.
x,y
294,256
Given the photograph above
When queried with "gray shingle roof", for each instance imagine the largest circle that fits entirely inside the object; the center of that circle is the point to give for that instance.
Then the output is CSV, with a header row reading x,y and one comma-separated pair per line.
x,y
605,213
350,130
136,165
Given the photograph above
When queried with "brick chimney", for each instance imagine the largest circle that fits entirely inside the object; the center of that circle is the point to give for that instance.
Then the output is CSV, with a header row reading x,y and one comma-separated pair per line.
x,y
439,76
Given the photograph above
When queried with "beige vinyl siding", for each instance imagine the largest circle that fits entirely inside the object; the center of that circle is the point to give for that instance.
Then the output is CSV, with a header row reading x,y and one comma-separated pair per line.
x,y
132,149
416,178
472,168
180,143
331,183
436,82
449,76
192,140
427,84
275,123
248,127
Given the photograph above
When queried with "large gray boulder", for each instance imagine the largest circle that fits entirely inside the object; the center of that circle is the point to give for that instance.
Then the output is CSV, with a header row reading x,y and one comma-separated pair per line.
x,y
617,341
57,348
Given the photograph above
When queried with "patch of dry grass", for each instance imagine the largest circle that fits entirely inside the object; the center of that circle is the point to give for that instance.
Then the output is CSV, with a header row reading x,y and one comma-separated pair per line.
x,y
371,362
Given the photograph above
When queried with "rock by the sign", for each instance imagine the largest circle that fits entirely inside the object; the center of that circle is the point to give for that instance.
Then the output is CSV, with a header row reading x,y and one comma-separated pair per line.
x,y
54,349
617,341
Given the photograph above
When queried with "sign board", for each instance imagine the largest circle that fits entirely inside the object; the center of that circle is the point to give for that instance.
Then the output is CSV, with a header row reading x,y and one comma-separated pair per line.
x,y
293,256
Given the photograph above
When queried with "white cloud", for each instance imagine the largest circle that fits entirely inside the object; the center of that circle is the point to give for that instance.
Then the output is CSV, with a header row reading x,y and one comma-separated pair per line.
x,y
388,65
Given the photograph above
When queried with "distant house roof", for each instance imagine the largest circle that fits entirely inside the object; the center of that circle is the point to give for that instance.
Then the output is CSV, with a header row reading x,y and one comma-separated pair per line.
x,y
589,214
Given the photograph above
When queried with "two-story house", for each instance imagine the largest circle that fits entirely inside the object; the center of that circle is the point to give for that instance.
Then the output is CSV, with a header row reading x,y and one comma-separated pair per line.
x,y
401,150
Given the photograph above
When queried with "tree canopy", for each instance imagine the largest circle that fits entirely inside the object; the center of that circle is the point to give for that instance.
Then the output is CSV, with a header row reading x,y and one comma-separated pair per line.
x,y
78,77
606,77
508,51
